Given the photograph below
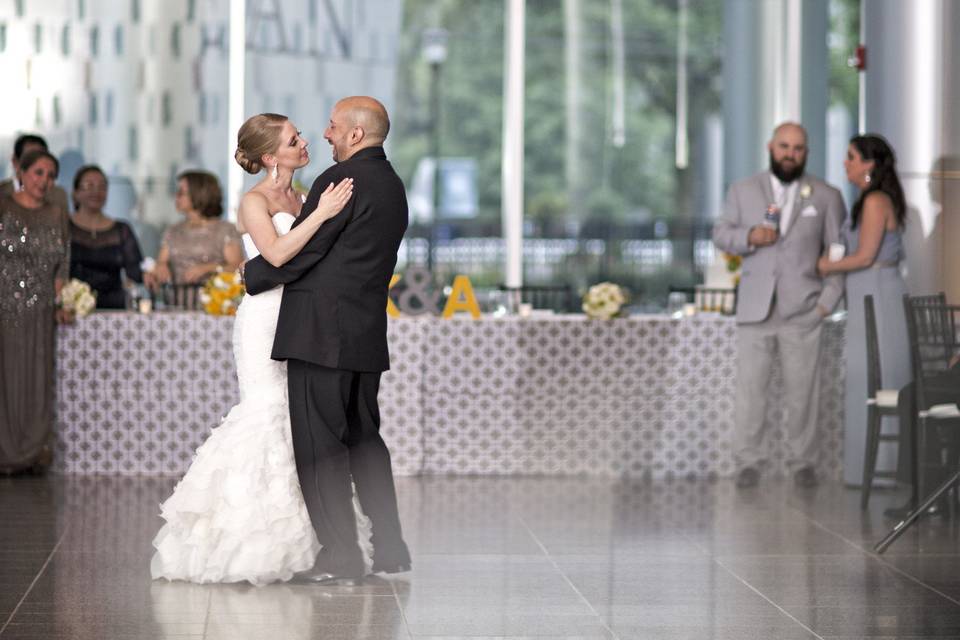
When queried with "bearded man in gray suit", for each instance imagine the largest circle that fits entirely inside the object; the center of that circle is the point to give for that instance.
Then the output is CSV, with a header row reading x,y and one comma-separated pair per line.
x,y
781,221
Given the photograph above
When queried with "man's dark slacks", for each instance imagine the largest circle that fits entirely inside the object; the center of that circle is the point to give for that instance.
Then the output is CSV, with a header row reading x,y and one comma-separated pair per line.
x,y
335,423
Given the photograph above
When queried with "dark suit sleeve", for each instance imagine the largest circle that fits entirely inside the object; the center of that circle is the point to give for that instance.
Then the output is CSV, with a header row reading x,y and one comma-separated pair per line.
x,y
259,275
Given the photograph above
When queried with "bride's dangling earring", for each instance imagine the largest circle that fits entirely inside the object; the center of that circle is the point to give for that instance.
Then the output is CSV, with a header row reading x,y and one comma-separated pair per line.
x,y
275,173
867,178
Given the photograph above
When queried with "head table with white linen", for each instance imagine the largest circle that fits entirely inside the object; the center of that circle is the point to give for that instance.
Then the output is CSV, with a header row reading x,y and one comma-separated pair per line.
x,y
637,396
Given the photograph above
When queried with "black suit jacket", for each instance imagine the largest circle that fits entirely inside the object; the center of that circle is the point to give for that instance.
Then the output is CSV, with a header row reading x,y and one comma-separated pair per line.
x,y
333,311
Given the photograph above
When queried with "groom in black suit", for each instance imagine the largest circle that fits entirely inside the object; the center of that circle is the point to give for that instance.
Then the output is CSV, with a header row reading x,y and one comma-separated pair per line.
x,y
332,331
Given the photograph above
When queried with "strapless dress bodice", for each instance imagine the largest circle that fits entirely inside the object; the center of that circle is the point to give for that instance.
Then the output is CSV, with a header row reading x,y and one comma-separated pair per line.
x,y
282,221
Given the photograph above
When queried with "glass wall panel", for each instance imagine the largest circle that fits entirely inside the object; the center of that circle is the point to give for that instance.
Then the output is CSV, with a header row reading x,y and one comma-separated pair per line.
x,y
611,191
623,143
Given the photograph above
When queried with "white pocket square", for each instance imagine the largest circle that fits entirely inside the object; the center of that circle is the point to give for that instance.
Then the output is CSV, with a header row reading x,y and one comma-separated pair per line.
x,y
809,210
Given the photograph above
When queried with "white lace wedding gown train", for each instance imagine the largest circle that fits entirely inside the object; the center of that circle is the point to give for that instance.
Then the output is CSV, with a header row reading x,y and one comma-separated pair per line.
x,y
238,513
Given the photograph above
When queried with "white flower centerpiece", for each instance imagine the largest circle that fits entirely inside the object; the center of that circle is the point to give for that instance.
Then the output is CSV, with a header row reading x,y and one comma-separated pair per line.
x,y
604,301
77,297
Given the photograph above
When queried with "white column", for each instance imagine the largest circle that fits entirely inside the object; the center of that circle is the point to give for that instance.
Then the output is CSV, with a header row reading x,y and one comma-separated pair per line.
x,y
573,77
618,130
774,70
910,88
681,143
235,101
512,163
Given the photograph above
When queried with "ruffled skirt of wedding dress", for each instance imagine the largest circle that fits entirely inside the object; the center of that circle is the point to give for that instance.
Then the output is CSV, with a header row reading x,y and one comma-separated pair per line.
x,y
238,513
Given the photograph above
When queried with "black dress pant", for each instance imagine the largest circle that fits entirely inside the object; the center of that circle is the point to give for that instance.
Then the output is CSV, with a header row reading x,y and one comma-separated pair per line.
x,y
335,422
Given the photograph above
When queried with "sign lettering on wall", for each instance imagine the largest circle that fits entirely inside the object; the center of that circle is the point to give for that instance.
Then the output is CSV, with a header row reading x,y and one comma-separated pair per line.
x,y
330,25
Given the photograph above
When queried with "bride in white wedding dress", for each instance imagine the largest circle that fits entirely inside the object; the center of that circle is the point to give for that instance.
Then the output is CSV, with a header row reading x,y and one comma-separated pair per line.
x,y
238,513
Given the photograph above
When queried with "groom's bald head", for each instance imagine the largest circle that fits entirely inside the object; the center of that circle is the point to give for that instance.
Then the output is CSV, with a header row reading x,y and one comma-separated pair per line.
x,y
356,123
367,113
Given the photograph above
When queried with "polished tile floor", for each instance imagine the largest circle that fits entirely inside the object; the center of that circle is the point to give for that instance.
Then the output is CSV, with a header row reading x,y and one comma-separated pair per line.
x,y
502,558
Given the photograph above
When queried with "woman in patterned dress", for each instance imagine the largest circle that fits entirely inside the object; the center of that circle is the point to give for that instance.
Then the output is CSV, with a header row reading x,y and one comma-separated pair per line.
x,y
202,244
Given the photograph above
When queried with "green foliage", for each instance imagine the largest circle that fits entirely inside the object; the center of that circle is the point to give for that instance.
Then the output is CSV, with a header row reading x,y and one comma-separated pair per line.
x,y
639,175
471,89
843,39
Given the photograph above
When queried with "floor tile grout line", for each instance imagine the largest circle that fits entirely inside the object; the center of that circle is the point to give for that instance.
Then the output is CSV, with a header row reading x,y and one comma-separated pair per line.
x,y
760,593
566,578
35,579
206,617
876,557
403,614
716,560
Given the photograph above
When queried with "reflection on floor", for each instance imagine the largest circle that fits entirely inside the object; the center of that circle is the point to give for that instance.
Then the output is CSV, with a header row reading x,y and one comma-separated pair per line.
x,y
502,557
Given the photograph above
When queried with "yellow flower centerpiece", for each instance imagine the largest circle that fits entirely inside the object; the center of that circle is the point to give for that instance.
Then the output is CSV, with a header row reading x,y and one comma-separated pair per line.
x,y
604,301
734,262
221,293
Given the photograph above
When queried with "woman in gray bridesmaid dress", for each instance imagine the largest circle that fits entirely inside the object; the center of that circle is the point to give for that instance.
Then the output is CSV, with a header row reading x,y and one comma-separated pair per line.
x,y
873,234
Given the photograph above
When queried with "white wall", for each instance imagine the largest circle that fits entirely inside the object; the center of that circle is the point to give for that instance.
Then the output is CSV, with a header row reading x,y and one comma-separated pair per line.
x,y
140,86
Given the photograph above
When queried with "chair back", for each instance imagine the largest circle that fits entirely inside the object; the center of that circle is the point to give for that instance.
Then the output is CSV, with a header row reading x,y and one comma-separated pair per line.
x,y
178,296
558,298
874,377
932,330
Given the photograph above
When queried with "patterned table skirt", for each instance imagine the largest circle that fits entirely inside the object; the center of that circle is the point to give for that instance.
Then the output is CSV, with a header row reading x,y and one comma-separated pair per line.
x,y
642,396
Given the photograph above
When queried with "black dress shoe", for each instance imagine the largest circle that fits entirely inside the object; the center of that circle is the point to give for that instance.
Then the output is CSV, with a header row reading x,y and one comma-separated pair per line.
x,y
805,478
748,477
938,508
398,567
323,577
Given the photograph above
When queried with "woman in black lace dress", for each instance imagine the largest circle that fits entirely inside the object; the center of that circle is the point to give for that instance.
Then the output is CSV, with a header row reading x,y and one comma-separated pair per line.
x,y
35,242
100,248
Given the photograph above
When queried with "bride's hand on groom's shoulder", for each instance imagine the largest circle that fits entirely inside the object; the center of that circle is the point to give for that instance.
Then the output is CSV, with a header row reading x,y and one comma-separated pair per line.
x,y
333,199
243,265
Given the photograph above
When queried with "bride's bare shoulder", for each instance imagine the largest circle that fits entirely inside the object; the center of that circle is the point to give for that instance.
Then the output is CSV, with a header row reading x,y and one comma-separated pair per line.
x,y
255,198
253,203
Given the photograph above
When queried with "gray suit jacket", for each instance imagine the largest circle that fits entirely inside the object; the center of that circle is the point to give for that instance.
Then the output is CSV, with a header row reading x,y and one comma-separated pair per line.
x,y
787,268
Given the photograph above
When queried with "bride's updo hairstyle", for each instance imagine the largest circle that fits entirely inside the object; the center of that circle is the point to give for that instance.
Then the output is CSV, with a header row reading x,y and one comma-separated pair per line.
x,y
260,134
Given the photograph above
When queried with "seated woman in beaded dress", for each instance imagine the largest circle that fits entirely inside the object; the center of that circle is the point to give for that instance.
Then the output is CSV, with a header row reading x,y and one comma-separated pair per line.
x,y
193,250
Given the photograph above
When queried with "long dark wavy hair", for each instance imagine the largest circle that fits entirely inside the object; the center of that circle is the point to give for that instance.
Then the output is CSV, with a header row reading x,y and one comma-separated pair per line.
x,y
883,176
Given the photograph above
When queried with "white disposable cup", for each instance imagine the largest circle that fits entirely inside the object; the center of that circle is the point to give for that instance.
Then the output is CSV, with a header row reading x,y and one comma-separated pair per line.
x,y
836,251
